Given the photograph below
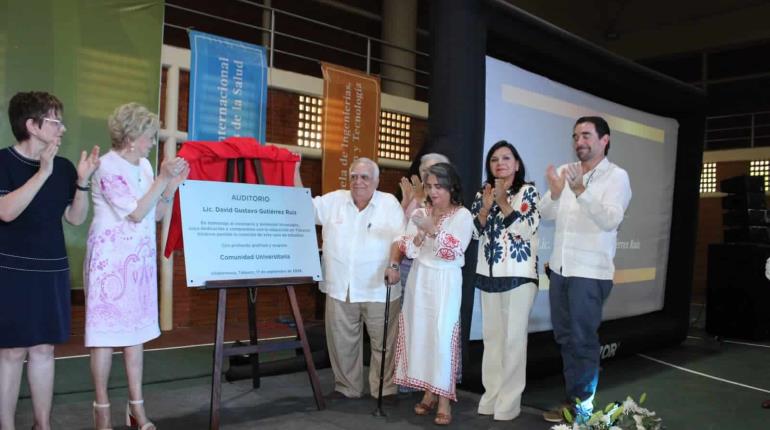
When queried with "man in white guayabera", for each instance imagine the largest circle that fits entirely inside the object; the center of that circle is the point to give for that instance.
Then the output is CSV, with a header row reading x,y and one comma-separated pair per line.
x,y
588,200
358,226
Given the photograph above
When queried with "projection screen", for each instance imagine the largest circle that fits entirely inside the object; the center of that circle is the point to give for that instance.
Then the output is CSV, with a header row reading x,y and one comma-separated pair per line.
x,y
537,115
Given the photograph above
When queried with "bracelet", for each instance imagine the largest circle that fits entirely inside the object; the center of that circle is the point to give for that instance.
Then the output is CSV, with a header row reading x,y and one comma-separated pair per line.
x,y
86,188
166,200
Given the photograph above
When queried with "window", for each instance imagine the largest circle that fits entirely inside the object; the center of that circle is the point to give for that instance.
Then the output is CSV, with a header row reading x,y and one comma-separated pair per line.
x,y
395,132
708,178
760,168
309,130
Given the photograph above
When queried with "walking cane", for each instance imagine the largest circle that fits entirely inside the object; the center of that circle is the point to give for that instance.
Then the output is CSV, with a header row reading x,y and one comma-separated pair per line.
x,y
379,412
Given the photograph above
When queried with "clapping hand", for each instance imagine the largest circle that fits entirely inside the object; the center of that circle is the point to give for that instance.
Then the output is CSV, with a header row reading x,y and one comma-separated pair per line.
x,y
556,181
423,222
179,178
46,159
87,165
419,190
501,193
407,192
487,197
574,177
170,168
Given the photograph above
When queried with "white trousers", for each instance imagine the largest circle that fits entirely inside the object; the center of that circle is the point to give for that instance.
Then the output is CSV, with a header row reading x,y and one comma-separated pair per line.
x,y
505,318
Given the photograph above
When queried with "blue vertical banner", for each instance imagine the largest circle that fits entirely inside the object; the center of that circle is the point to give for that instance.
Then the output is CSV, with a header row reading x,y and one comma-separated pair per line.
x,y
228,89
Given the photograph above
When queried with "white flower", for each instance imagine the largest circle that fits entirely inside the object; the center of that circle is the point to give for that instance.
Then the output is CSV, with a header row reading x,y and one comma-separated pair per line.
x,y
638,420
560,427
630,407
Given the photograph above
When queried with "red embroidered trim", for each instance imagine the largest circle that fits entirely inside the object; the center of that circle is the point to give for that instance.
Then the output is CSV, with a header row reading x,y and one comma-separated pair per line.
x,y
401,362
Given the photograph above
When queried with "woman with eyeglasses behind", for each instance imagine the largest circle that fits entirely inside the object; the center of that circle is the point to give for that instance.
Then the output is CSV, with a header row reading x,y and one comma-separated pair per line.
x,y
120,267
37,189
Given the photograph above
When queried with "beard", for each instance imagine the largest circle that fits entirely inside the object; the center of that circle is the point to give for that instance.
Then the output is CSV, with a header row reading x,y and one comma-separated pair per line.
x,y
583,154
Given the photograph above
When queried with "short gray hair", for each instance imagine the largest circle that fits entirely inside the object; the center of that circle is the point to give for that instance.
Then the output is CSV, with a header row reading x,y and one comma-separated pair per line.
x,y
372,165
435,157
130,122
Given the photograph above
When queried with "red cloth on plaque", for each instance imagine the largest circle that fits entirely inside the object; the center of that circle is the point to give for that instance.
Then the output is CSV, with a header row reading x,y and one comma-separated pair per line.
x,y
208,162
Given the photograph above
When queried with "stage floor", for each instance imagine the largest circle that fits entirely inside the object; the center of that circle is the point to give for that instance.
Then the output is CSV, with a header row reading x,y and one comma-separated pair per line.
x,y
282,402
701,383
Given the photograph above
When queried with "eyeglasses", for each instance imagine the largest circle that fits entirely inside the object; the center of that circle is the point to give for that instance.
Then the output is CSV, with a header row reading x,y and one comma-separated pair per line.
x,y
56,122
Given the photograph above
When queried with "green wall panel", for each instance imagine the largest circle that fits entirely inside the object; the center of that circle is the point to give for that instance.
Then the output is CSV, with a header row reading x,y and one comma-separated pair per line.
x,y
92,54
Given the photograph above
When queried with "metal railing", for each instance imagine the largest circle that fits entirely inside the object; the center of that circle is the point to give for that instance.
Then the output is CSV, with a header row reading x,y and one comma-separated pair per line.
x,y
364,54
748,130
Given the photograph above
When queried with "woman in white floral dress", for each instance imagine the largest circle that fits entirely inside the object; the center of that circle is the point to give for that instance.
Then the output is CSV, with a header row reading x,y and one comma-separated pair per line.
x,y
120,268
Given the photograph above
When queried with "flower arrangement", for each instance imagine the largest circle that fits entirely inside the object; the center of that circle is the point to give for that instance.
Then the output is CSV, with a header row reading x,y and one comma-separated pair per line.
x,y
616,416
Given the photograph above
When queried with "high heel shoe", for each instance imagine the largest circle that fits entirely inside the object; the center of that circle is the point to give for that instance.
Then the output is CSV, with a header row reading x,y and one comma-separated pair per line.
x,y
132,422
96,406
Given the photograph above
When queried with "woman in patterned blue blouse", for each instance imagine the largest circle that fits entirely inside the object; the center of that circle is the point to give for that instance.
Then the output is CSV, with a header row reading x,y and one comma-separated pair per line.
x,y
506,220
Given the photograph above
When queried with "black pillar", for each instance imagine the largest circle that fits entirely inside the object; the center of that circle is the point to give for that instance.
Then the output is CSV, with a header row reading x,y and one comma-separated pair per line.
x,y
456,103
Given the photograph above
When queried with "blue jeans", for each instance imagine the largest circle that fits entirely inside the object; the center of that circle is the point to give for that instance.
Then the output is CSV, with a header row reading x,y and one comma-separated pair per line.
x,y
576,312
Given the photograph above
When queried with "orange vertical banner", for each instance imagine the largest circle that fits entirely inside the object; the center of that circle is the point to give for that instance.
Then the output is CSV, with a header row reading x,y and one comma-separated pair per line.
x,y
351,122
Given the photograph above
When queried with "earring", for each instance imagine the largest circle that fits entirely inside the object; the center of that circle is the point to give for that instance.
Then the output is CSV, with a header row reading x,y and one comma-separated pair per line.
x,y
132,148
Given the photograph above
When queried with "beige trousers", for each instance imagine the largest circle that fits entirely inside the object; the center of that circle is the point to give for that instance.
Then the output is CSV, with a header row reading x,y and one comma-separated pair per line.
x,y
344,340
504,365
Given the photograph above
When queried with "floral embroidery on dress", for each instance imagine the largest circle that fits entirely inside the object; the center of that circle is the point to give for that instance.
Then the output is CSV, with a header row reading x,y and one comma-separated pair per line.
x,y
476,206
518,248
446,246
120,268
493,252
528,207
115,185
503,244
406,246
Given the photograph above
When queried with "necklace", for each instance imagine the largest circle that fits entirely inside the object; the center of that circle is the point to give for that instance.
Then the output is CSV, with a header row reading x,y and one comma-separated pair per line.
x,y
591,176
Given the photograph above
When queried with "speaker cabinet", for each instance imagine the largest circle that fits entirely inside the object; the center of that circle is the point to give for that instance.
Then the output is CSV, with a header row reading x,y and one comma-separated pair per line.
x,y
743,184
749,233
744,201
757,217
738,295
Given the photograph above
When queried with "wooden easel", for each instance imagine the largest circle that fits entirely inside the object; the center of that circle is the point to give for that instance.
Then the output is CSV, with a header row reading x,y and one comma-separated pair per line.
x,y
221,351
254,348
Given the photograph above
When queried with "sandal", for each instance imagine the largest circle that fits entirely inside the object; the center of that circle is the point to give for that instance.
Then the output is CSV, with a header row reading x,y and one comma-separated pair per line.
x,y
442,419
423,409
132,422
96,406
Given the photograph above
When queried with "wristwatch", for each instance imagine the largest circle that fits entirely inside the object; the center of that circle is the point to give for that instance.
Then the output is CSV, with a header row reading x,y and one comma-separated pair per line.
x,y
393,266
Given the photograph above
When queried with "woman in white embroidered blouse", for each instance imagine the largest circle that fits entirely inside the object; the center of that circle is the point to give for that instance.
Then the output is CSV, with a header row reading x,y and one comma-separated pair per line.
x,y
427,348
506,221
